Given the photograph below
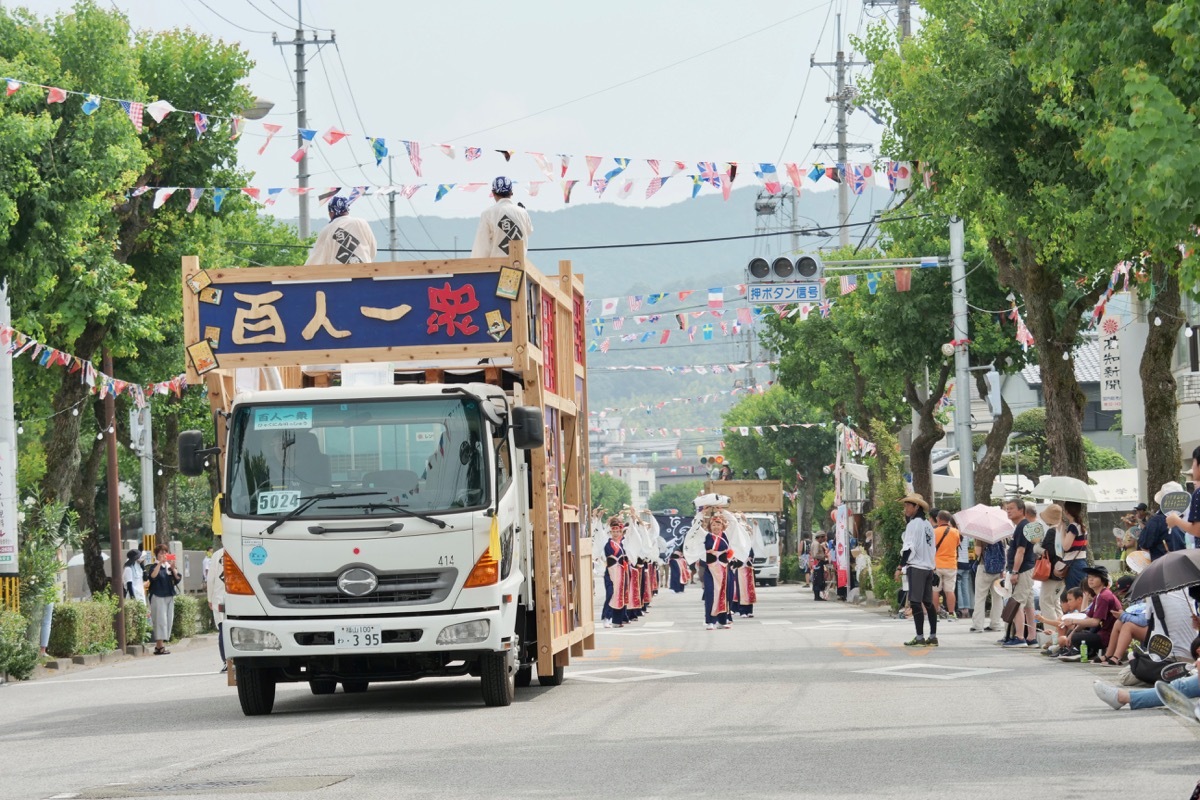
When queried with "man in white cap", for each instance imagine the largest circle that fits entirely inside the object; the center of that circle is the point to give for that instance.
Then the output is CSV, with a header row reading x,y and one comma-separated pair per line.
x,y
501,224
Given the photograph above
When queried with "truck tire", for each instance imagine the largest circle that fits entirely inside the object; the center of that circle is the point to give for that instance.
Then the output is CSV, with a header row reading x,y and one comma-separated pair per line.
x,y
773,582
499,685
256,690
524,676
355,687
323,686
553,679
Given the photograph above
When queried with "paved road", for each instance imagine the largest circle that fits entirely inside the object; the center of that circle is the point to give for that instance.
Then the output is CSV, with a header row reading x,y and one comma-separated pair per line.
x,y
807,699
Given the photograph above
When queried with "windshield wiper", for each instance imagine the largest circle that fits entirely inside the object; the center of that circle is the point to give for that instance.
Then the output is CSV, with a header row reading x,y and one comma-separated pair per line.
x,y
398,508
306,502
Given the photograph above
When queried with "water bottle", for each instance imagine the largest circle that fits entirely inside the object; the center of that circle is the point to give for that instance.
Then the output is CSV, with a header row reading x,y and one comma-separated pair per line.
x,y
1083,652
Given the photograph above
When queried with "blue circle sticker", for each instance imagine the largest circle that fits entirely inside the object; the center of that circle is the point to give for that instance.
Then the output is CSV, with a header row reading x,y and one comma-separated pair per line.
x,y
258,555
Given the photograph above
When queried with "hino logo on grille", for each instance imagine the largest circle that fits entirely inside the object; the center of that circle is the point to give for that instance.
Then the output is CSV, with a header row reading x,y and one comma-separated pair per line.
x,y
357,582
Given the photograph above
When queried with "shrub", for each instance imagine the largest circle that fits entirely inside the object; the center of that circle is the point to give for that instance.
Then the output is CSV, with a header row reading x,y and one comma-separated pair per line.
x,y
885,584
184,624
137,622
789,568
18,656
207,623
83,627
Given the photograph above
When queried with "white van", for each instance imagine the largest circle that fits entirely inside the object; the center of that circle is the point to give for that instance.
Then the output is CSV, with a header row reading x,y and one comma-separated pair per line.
x,y
765,536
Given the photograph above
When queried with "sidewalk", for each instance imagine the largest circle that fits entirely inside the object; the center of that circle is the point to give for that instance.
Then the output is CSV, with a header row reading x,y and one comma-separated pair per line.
x,y
58,666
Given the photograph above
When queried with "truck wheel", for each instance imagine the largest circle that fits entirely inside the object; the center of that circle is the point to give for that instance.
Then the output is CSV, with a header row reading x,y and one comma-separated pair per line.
x,y
773,582
553,679
256,690
524,676
355,687
499,685
323,686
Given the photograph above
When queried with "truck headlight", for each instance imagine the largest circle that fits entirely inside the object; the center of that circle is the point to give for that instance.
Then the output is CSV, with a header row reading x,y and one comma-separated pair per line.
x,y
465,632
252,640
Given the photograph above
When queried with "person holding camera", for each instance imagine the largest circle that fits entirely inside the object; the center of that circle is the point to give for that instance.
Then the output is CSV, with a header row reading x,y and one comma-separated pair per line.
x,y
164,582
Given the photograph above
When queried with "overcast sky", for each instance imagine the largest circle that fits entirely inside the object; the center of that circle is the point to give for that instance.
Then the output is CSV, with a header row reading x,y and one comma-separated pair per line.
x,y
701,80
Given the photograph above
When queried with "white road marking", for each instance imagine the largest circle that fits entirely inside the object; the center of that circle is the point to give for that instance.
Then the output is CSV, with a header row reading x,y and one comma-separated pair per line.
x,y
596,675
67,679
935,672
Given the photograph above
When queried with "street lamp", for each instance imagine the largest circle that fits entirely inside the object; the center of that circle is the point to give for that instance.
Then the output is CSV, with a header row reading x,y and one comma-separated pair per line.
x,y
260,109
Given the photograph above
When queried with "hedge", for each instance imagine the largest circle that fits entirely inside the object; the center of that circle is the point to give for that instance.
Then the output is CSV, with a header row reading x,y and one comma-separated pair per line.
x,y
18,656
83,627
137,622
186,618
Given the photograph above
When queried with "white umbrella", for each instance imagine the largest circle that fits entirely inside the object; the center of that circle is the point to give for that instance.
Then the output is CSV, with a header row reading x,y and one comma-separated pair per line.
x,y
711,499
988,524
77,559
1062,487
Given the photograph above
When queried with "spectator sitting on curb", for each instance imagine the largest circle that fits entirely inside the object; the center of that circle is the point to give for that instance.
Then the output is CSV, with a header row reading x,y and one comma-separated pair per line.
x,y
1116,697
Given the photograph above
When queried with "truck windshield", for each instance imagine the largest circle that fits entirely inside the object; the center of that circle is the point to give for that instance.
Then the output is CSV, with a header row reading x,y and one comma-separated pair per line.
x,y
427,455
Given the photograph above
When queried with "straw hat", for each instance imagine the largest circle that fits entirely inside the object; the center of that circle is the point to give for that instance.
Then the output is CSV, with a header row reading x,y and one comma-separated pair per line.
x,y
1167,488
1052,514
916,500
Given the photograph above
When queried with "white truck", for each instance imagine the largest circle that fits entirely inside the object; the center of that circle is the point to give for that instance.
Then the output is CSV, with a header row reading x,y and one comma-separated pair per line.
x,y
426,522
765,536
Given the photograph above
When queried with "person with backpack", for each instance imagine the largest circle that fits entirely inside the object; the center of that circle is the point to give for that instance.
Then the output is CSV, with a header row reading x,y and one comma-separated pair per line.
x,y
990,569
946,540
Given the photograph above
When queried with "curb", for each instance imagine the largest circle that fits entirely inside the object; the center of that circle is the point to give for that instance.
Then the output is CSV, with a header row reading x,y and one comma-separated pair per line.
x,y
59,666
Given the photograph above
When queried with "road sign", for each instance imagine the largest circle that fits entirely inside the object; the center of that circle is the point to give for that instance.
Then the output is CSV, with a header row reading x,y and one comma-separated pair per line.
x,y
798,292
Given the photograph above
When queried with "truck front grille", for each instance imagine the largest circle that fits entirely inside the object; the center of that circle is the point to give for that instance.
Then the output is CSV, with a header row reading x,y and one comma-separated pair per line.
x,y
395,588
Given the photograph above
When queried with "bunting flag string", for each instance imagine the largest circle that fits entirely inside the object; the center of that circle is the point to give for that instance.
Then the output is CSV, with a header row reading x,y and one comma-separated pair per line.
x,y
743,430
18,344
855,444
895,175
699,369
650,408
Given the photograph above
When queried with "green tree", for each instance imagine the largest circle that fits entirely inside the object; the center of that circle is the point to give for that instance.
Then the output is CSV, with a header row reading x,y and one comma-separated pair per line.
x,y
795,455
1125,78
609,493
954,99
677,495
1033,458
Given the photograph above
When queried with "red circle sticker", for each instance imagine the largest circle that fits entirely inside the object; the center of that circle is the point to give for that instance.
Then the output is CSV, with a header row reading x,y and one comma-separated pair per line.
x,y
356,551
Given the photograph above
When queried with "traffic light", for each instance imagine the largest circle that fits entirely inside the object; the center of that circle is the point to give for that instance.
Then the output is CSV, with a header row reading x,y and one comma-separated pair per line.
x,y
802,269
995,405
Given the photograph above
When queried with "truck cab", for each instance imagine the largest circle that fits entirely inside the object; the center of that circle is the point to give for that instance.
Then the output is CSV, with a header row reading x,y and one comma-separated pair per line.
x,y
765,536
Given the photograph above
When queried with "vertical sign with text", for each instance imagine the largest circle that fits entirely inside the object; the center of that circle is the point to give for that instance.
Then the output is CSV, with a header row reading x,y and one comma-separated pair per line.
x,y
1110,363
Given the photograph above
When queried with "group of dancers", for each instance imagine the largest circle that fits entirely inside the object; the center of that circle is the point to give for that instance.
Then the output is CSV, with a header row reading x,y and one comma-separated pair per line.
x,y
718,545
631,562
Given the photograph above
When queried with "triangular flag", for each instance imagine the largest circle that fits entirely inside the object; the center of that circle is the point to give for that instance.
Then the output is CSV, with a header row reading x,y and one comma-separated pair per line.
x,y
333,135
159,109
653,162
873,281
201,122
272,196
625,190
442,189
622,163
508,154
11,87
567,186
251,191
697,182
196,194
593,162
903,279
162,195
716,297
90,104
543,164
654,185
473,153
271,129
134,110
218,198
566,162
56,95
414,156
327,195
306,137
378,149
447,150
236,125
794,175
770,178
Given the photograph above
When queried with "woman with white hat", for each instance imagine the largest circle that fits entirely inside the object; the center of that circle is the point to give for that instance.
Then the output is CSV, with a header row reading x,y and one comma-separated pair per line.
x,y
917,558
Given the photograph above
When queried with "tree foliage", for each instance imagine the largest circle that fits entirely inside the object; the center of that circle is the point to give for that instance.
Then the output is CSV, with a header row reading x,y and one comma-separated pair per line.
x,y
609,493
678,496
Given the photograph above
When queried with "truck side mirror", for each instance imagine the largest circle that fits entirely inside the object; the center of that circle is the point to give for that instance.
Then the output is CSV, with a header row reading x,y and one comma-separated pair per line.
x,y
529,427
191,459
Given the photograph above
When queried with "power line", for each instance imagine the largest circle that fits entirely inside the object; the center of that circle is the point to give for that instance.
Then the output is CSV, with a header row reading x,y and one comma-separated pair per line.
x,y
801,232
231,22
268,16
638,77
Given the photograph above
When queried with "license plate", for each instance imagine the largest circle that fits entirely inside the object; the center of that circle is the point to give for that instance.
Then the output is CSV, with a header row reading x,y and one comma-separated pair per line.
x,y
357,637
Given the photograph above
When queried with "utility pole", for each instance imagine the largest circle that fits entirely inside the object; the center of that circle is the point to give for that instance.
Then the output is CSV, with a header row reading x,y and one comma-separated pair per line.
x,y
844,99
391,213
116,565
141,434
903,11
301,107
962,373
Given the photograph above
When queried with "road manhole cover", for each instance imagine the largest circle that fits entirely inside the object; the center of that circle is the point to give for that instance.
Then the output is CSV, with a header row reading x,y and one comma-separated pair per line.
x,y
298,783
